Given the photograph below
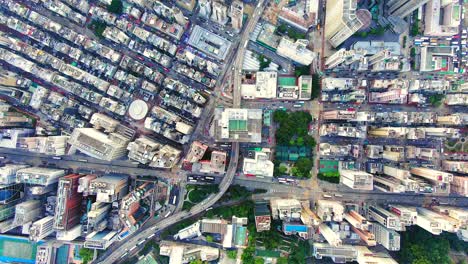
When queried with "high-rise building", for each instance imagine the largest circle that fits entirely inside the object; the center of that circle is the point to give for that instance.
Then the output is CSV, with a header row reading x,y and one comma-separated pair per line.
x,y
41,228
219,14
45,254
447,223
8,173
69,235
442,18
345,56
96,144
379,56
330,210
9,137
459,185
205,8
9,118
52,145
427,222
455,166
68,203
155,154
262,217
332,237
97,217
384,217
407,214
84,183
452,119
39,176
285,209
27,211
341,254
358,180
236,12
388,184
402,8
440,179
366,236
109,188
356,220
364,255
103,122
388,238
341,21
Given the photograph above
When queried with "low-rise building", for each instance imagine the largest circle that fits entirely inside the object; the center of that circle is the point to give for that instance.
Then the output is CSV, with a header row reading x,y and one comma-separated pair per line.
x,y
259,85
96,144
296,51
184,253
109,188
260,165
262,217
358,180
238,125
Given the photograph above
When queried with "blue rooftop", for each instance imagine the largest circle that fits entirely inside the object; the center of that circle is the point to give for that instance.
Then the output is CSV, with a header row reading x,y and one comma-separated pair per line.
x,y
295,228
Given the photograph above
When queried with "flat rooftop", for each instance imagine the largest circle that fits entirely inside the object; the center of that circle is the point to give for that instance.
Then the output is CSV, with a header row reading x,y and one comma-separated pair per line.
x,y
209,43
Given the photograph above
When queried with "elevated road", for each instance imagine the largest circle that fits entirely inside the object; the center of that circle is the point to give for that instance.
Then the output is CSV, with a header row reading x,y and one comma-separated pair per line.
x,y
113,256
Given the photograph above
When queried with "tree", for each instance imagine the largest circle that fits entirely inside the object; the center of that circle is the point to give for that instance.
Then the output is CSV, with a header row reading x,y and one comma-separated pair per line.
x,y
248,255
86,254
302,167
436,99
232,254
419,246
315,86
116,7
209,238
197,261
98,28
282,260
282,28
333,177
282,170
309,141
259,261
415,28
264,61
302,70
279,116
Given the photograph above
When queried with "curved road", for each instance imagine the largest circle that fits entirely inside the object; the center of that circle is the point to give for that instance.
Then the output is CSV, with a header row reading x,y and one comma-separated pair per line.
x,y
130,243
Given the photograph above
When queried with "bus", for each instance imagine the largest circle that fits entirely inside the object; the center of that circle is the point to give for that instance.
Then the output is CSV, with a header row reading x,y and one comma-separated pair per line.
x,y
168,213
57,158
297,105
209,178
174,199
327,196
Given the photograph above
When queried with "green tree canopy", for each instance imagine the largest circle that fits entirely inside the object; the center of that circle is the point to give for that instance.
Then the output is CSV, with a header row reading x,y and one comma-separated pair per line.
x,y
116,7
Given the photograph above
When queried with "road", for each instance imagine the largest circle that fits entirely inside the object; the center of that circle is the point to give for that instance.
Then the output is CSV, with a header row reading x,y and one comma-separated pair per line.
x,y
114,255
370,197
